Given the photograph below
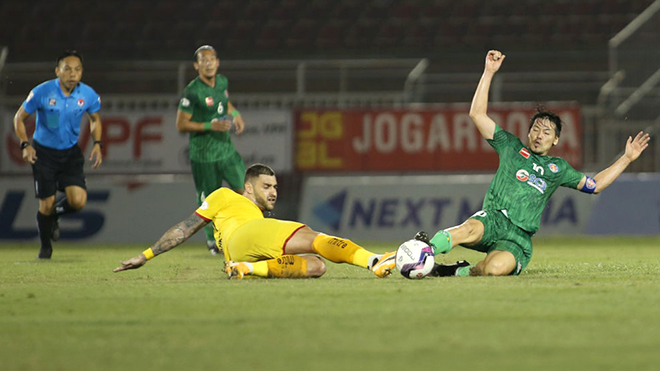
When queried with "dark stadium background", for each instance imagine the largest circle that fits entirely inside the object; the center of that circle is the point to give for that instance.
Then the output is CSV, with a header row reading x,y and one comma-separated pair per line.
x,y
325,53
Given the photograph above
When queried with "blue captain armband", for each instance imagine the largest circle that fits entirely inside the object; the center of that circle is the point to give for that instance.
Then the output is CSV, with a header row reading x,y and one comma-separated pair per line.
x,y
589,186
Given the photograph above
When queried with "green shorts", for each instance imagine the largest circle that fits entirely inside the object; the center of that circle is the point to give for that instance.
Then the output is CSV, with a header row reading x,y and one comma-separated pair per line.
x,y
209,176
502,235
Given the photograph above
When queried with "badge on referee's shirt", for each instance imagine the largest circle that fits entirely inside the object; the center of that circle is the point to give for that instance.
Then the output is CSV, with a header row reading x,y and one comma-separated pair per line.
x,y
81,102
52,102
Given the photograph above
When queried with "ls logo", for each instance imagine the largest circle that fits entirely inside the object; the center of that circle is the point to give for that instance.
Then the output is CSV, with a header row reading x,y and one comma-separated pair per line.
x,y
91,221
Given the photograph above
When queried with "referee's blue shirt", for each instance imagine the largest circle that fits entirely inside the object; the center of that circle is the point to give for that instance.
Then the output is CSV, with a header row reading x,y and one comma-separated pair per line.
x,y
59,116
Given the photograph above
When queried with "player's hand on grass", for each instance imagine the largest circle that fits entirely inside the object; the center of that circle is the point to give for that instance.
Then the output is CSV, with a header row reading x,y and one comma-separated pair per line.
x,y
635,147
96,156
239,124
133,263
220,125
29,154
494,60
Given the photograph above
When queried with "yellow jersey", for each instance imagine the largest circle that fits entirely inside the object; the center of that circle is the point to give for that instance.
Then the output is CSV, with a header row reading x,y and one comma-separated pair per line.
x,y
228,211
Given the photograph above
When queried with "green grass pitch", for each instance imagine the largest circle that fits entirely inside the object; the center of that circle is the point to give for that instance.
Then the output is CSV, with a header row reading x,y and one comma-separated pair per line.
x,y
582,304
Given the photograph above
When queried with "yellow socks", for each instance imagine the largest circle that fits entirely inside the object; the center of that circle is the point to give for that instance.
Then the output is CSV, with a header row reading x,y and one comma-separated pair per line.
x,y
340,250
260,268
287,266
335,249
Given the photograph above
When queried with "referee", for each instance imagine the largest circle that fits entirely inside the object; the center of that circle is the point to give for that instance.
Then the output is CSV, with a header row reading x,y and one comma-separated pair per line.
x,y
57,160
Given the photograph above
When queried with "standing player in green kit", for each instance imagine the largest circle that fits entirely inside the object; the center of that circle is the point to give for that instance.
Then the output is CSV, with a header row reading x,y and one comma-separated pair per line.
x,y
206,113
525,180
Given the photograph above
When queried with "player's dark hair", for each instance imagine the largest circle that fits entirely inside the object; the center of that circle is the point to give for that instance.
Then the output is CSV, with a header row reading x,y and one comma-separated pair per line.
x,y
204,47
68,53
257,169
550,116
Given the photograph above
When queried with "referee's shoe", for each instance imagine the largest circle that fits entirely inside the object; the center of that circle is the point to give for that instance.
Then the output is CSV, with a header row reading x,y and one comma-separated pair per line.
x,y
45,253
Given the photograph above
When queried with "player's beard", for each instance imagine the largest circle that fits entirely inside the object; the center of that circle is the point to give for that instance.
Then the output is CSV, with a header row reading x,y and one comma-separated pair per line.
x,y
264,204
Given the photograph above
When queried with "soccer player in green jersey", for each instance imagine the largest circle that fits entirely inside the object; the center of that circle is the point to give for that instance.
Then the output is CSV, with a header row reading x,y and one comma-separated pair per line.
x,y
524,181
207,114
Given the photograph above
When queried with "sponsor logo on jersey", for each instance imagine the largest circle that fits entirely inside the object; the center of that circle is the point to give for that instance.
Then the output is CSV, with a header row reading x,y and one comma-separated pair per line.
x,y
532,179
52,102
205,205
81,102
524,152
522,175
185,102
553,167
226,93
209,101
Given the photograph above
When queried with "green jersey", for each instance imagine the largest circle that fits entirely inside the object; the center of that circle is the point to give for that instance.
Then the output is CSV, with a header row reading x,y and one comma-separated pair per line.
x,y
525,181
205,103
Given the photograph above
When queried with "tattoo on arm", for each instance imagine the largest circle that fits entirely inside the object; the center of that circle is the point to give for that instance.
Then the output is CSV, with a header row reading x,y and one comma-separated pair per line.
x,y
178,234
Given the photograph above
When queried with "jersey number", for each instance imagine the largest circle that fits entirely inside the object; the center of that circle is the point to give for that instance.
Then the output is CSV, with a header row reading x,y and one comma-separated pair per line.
x,y
221,108
538,168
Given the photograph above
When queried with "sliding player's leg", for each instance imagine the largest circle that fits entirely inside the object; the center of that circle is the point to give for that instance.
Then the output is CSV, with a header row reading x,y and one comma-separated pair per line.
x,y
263,240
468,233
340,250
286,266
508,248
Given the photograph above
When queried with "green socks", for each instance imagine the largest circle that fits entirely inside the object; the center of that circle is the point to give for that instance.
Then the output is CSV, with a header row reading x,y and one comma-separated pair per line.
x,y
463,271
441,242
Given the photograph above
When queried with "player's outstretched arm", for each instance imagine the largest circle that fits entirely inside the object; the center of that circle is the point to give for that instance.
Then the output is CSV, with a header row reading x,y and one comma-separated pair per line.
x,y
634,148
174,237
479,107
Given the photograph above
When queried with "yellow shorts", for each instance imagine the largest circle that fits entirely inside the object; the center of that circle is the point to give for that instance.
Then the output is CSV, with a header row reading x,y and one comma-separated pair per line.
x,y
260,239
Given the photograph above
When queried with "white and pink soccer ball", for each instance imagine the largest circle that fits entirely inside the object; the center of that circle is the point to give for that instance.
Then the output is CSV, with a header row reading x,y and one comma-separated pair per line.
x,y
414,259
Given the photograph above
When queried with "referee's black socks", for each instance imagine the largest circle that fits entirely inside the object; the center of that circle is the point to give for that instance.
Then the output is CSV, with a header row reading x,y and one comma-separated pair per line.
x,y
45,225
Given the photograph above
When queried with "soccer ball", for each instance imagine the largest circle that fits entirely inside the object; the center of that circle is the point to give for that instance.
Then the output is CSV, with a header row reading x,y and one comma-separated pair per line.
x,y
414,259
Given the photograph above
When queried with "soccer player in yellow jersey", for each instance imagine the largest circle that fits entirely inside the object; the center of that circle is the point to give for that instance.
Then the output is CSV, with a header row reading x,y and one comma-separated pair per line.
x,y
264,247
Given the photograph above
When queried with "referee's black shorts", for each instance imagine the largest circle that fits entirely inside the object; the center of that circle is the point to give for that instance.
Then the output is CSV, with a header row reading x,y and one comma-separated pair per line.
x,y
57,169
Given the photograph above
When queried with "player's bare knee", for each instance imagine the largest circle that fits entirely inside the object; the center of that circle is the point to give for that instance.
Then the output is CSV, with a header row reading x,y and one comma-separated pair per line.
x,y
315,267
497,268
77,202
78,205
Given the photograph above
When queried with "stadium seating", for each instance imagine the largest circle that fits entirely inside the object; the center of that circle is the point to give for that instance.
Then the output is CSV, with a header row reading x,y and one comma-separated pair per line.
x,y
453,35
286,28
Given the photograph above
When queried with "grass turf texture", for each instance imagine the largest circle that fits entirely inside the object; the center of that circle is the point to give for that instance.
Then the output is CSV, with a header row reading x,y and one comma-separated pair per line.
x,y
582,304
